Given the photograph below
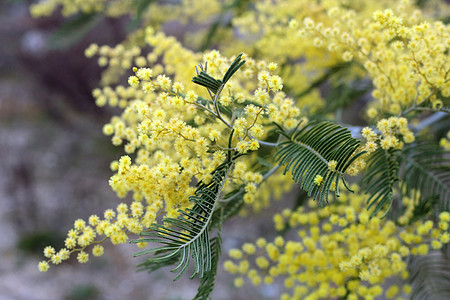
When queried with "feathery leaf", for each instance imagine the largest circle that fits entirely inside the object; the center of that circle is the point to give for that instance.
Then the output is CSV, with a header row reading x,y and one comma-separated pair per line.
x,y
187,236
308,151
426,169
213,84
430,276
207,81
207,283
151,266
381,175
235,65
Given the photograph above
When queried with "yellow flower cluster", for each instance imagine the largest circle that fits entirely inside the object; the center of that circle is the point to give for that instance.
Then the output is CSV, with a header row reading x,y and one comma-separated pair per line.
x,y
404,55
394,132
116,225
118,59
339,251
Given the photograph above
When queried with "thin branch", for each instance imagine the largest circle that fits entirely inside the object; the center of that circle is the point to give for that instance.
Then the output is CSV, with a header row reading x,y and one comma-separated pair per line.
x,y
430,120
267,143
271,172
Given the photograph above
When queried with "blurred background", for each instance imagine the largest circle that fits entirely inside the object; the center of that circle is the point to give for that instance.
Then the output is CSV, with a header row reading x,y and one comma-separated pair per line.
x,y
54,168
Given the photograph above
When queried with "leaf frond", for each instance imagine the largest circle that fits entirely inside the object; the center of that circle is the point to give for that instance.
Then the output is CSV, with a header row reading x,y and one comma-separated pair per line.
x,y
185,239
308,151
430,276
207,283
207,81
235,65
426,170
151,266
380,178
215,85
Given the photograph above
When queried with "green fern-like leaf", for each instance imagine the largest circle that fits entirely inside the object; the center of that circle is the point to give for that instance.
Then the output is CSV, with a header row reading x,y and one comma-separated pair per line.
x,y
423,208
151,266
207,283
380,178
235,65
215,85
207,81
426,169
187,236
430,276
308,151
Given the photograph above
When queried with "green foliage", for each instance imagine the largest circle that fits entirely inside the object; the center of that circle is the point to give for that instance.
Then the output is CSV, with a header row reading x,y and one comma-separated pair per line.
x,y
308,151
188,235
83,292
207,283
215,85
72,31
423,208
426,170
141,7
344,94
237,63
213,35
151,265
333,71
430,276
33,242
380,178
207,81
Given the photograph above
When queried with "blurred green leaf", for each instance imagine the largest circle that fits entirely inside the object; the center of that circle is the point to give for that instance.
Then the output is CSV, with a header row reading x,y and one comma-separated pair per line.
x,y
34,242
83,292
430,276
72,31
141,6
344,94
